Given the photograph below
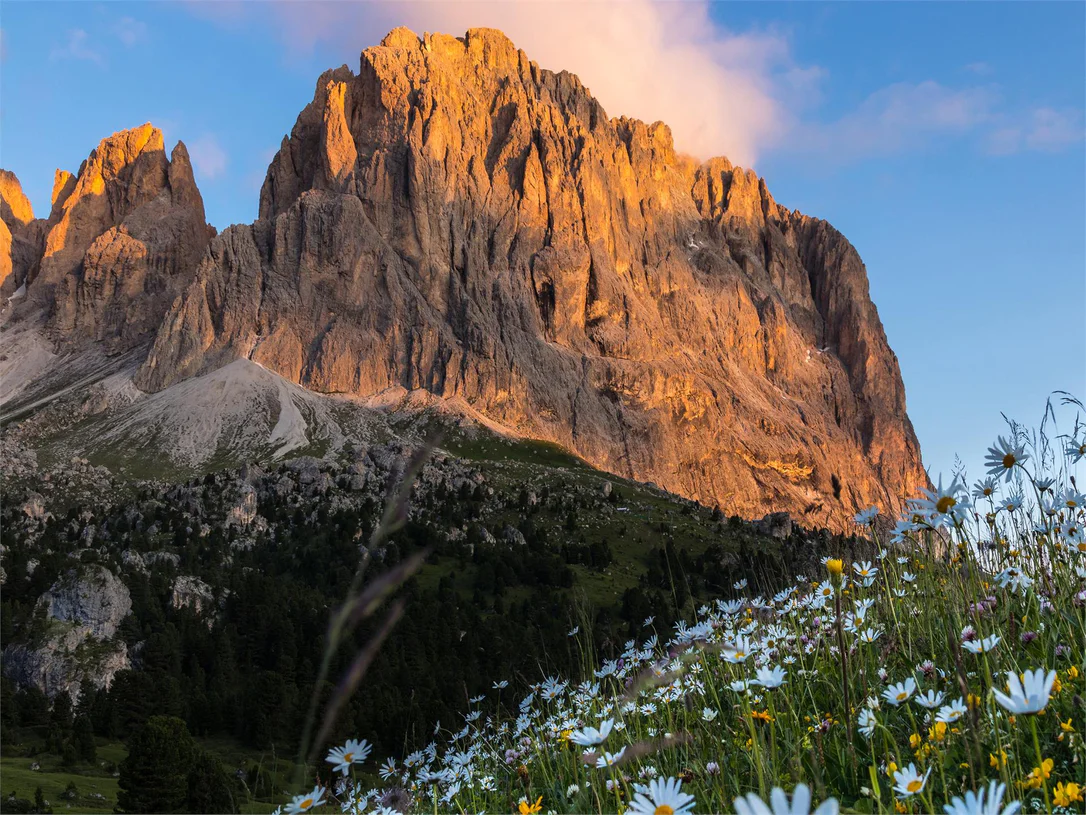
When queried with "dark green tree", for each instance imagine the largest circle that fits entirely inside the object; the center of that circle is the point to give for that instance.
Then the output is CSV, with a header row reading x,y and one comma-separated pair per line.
x,y
210,788
39,802
83,739
155,775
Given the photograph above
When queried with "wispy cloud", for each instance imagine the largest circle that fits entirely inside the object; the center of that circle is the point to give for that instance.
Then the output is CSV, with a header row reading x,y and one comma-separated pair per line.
x,y
130,31
77,45
720,91
1042,130
208,157
898,118
743,94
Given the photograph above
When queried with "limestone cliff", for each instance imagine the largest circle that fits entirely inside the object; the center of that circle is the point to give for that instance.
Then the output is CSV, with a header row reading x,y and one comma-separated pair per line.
x,y
121,242
75,640
20,236
457,219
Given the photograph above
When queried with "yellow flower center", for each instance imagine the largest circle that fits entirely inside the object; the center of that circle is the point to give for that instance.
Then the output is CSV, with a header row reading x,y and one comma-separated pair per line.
x,y
664,809
915,785
348,756
901,697
1009,460
945,503
306,804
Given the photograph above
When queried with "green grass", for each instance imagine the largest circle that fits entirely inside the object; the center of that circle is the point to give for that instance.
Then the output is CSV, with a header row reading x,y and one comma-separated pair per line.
x,y
53,778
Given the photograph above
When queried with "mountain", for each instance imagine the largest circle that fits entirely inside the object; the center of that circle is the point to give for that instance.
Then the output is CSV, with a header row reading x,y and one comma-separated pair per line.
x,y
456,220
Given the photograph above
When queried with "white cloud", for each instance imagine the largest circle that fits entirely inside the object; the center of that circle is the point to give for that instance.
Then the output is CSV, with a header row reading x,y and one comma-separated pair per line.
x,y
1043,130
721,92
738,94
897,118
208,158
130,31
77,46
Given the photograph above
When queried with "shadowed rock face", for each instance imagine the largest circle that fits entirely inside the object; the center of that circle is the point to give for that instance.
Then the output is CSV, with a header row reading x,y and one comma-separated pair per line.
x,y
457,219
121,242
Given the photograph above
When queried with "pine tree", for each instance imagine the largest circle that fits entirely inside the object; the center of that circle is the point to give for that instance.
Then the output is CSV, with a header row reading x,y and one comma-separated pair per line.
x,y
155,776
210,789
83,739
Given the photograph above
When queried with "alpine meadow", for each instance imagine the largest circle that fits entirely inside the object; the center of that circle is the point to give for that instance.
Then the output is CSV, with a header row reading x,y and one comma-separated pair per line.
x,y
498,452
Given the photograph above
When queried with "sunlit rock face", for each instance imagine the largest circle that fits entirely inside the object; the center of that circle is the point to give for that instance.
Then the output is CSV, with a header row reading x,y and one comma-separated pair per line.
x,y
457,219
121,242
20,236
452,218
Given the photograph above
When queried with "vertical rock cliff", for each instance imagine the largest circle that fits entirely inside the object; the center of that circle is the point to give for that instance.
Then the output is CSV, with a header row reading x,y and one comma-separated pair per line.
x,y
454,218
120,244
457,219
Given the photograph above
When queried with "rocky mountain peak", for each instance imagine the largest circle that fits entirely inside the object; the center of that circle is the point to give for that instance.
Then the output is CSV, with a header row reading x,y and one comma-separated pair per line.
x,y
14,205
454,218
121,242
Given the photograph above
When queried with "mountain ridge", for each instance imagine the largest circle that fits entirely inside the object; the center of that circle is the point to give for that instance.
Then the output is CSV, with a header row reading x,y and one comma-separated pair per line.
x,y
454,218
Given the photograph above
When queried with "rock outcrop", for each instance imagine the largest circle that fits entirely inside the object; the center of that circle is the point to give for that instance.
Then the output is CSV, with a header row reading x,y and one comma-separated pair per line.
x,y
21,236
82,612
121,242
456,219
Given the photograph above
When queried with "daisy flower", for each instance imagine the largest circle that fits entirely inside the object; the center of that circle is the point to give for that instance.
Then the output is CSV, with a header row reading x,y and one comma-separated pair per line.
x,y
867,722
867,516
1028,695
1003,457
609,759
974,803
770,678
896,694
931,699
985,489
353,752
948,714
306,801
664,797
751,804
590,736
908,782
982,646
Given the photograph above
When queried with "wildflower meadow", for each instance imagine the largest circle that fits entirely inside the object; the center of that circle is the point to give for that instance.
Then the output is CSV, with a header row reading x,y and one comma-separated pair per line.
x,y
945,674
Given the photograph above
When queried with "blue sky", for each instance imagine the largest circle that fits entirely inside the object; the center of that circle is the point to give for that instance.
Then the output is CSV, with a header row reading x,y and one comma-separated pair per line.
x,y
945,140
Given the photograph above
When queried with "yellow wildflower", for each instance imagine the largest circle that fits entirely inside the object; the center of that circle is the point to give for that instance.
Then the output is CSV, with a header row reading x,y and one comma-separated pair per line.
x,y
1000,762
1066,727
1038,775
914,740
530,809
1072,672
1067,794
835,566
937,732
891,768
